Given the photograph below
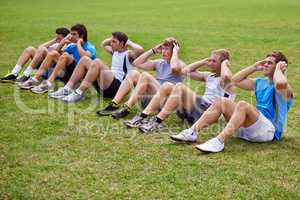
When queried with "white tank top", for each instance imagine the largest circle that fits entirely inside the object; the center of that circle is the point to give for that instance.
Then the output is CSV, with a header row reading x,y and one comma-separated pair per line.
x,y
120,65
213,89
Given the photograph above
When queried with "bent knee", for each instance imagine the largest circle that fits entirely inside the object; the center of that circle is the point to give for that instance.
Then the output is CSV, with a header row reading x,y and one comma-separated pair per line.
x,y
242,105
166,88
53,54
85,59
30,49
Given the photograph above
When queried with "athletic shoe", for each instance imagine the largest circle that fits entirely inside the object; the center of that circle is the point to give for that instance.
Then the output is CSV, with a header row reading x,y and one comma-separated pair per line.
x,y
152,126
22,79
30,83
123,112
73,97
8,78
211,146
136,121
42,88
60,93
187,135
108,110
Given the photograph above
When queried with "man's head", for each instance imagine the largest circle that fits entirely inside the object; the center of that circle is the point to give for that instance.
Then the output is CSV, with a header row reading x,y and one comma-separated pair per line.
x,y
118,41
78,31
271,61
167,47
61,32
216,59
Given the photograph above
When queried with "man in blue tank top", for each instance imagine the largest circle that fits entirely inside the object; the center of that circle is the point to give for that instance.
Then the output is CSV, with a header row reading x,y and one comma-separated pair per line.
x,y
95,72
262,123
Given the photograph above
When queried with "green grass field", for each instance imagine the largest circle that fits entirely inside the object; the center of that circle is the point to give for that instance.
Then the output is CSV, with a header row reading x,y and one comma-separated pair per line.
x,y
52,150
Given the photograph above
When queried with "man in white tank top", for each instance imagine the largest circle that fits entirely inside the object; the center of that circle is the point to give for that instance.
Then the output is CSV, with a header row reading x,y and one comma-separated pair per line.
x,y
95,72
37,55
168,72
189,106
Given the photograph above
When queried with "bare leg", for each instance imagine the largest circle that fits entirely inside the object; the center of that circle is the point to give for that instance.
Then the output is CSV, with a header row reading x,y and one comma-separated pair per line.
x,y
80,71
182,97
63,61
98,71
127,85
39,56
159,98
27,54
244,115
50,59
147,84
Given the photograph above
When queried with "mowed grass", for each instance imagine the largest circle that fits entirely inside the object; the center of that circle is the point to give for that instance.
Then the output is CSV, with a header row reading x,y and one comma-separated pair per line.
x,y
51,150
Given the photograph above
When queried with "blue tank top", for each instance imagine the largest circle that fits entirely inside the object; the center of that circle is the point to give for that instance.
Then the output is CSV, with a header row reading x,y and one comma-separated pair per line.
x,y
271,104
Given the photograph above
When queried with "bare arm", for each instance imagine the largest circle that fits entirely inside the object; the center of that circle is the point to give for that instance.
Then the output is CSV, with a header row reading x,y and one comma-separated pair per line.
x,y
48,43
191,70
143,61
241,79
226,73
136,50
176,64
281,82
63,42
81,51
106,45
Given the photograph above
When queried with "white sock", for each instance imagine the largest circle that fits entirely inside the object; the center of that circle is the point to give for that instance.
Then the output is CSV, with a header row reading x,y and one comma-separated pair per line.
x,y
67,88
33,78
78,91
16,70
27,71
49,83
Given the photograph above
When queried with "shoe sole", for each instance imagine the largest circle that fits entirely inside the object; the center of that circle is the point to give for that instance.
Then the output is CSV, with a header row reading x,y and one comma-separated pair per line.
x,y
118,117
38,92
56,97
183,141
7,81
25,88
204,151
131,126
103,114
73,101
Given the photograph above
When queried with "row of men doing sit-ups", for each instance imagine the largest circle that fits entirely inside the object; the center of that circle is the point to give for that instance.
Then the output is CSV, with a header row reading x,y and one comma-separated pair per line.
x,y
72,59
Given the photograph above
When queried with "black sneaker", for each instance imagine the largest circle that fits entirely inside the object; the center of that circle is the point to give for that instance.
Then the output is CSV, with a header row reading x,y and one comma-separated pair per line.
x,y
22,79
123,112
108,110
8,78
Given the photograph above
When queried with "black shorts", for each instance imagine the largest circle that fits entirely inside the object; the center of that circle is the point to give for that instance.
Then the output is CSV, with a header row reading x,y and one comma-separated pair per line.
x,y
109,92
199,108
68,73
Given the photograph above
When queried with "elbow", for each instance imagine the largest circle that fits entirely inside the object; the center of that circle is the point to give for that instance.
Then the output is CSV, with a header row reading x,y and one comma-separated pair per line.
x,y
140,50
176,70
135,63
185,71
227,78
281,85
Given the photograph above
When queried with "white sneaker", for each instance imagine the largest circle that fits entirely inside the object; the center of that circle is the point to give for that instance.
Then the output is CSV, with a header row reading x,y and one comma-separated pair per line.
x,y
73,97
187,135
60,93
211,146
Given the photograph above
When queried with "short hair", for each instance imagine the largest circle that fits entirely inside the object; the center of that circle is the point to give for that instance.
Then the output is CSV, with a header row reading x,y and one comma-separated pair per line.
x,y
169,42
122,37
62,31
81,29
223,53
278,55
